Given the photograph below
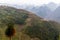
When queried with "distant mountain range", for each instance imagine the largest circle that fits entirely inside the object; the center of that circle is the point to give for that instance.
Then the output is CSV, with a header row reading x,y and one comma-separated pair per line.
x,y
50,11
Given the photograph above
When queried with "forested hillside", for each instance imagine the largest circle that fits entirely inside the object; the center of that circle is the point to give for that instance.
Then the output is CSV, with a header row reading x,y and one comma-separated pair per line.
x,y
27,25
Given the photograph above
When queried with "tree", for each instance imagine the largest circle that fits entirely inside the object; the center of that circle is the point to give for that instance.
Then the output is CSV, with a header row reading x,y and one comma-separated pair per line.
x,y
10,31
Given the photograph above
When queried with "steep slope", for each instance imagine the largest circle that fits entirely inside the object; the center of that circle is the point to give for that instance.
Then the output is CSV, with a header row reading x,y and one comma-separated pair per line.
x,y
28,26
44,11
9,14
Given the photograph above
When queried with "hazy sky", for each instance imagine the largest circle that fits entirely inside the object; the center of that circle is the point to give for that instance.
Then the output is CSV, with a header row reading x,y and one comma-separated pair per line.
x,y
29,2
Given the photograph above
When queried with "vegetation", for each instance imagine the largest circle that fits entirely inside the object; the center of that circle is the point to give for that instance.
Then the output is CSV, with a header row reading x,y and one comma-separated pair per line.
x,y
27,25
42,30
10,31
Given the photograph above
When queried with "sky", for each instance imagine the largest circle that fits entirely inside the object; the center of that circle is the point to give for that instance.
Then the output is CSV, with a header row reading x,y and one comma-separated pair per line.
x,y
29,2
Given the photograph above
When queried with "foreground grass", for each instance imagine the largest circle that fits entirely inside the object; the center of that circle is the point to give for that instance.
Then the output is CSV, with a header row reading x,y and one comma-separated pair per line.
x,y
59,37
19,35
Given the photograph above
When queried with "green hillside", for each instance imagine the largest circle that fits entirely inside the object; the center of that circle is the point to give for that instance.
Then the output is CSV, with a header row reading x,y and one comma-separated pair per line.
x,y
28,26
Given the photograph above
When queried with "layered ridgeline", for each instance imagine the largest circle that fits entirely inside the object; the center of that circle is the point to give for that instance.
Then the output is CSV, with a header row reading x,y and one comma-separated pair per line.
x,y
28,26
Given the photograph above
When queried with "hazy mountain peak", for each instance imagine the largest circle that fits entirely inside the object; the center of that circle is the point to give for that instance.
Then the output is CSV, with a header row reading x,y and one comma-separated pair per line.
x,y
52,6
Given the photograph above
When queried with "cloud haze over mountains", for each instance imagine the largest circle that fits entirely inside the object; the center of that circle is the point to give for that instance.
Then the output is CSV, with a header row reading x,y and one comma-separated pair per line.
x,y
50,11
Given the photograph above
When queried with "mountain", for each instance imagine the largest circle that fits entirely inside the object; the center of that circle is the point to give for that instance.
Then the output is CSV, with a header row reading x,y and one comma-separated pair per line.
x,y
44,11
28,25
48,11
41,11
56,15
52,6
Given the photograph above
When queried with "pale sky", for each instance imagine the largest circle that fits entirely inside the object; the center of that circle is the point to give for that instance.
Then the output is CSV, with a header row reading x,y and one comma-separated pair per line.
x,y
29,2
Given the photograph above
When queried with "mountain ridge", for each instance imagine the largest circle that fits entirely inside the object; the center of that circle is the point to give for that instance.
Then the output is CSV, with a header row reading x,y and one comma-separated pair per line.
x,y
27,24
